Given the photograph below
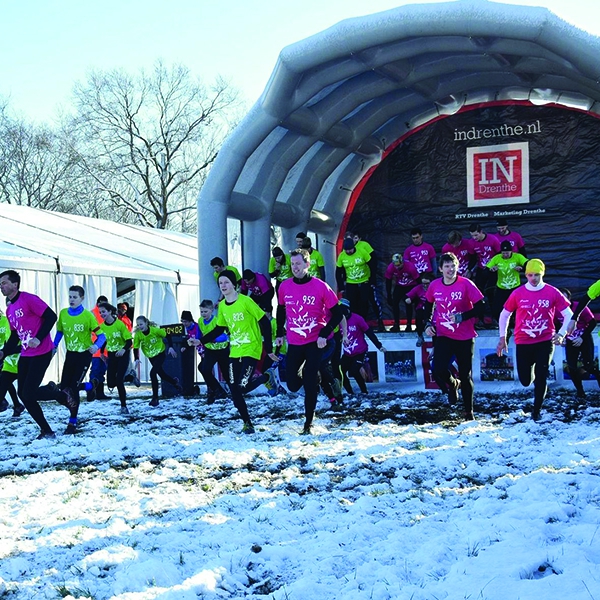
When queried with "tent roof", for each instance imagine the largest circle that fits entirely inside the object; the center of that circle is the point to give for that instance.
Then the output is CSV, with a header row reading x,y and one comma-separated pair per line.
x,y
41,240
338,100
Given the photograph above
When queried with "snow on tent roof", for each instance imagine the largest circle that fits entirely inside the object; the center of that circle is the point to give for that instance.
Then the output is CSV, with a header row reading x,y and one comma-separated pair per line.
x,y
44,240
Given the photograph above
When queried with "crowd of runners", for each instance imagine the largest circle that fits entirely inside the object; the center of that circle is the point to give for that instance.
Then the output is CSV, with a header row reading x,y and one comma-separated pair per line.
x,y
302,332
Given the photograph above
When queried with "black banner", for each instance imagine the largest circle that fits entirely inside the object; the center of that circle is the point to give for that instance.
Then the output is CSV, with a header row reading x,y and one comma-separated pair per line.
x,y
423,183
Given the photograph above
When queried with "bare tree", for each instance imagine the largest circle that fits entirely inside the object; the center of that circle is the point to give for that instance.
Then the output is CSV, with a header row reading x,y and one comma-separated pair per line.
x,y
145,143
35,165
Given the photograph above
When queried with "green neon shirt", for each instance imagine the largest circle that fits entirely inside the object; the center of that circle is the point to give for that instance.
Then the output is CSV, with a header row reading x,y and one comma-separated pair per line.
x,y
241,319
508,278
594,290
77,330
355,265
4,330
10,364
283,347
207,328
364,246
151,343
285,270
316,261
116,335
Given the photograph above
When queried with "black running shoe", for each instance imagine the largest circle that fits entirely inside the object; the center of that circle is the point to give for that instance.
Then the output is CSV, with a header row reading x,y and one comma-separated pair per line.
x,y
3,405
18,411
153,402
307,429
248,429
100,395
453,388
271,383
71,429
46,435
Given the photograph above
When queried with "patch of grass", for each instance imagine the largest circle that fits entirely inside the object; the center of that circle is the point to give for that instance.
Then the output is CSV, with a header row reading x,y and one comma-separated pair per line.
x,y
64,592
379,492
417,447
262,519
416,478
72,495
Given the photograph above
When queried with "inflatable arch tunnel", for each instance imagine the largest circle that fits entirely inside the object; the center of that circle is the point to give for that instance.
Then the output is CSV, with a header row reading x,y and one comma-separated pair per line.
x,y
434,116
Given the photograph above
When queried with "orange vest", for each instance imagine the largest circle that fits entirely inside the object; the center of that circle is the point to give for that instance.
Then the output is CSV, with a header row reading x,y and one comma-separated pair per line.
x,y
96,313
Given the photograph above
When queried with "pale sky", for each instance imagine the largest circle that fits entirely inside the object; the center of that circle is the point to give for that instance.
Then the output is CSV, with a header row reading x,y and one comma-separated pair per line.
x,y
48,45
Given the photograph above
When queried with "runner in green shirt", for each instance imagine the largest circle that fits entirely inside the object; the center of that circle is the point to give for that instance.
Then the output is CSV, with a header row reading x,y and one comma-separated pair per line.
x,y
374,298
155,344
354,264
118,347
213,353
280,267
359,243
219,266
509,266
317,263
249,338
77,326
354,277
8,374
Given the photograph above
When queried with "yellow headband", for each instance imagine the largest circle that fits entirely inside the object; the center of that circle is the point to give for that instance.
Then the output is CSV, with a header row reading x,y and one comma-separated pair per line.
x,y
535,266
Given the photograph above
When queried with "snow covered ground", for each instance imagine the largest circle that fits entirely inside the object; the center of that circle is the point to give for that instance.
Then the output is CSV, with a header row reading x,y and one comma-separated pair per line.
x,y
393,497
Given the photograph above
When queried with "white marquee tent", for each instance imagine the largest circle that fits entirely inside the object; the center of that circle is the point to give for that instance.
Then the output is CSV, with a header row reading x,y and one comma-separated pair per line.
x,y
53,251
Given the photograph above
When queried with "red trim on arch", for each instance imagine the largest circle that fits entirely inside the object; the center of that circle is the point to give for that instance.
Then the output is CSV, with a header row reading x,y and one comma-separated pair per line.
x,y
361,184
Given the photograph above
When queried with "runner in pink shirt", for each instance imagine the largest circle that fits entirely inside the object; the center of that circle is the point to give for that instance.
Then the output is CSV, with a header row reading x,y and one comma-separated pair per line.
x,y
484,246
536,305
417,298
420,253
461,248
592,293
355,348
455,301
579,345
504,234
259,288
403,276
31,321
307,313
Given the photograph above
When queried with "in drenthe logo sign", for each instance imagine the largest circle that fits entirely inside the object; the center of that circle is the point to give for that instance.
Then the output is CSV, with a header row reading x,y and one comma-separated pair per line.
x,y
498,175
